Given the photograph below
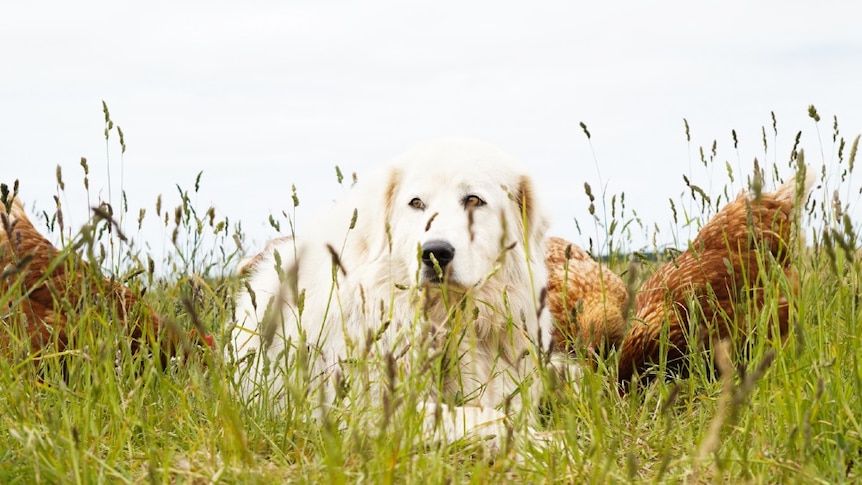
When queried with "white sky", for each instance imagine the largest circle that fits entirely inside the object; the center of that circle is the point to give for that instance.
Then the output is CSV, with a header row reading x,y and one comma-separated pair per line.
x,y
262,95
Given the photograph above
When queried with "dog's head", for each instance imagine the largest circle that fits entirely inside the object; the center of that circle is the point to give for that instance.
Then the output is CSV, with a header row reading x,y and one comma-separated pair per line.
x,y
459,209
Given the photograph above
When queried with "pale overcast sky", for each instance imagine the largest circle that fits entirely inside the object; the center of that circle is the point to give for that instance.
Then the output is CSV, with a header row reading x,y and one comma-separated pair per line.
x,y
263,95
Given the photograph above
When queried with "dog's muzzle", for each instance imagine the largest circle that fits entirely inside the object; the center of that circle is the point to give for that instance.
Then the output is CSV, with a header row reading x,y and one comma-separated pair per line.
x,y
443,253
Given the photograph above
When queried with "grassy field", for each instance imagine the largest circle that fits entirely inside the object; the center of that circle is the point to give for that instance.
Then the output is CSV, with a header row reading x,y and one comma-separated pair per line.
x,y
792,412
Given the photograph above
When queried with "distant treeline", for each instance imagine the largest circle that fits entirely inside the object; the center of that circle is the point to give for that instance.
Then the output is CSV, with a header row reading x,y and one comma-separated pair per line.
x,y
640,256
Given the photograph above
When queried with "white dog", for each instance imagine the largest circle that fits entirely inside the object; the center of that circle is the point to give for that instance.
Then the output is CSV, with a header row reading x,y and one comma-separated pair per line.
x,y
439,256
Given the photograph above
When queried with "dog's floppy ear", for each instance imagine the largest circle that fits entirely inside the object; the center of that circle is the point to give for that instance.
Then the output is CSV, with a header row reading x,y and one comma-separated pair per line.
x,y
393,180
370,206
531,216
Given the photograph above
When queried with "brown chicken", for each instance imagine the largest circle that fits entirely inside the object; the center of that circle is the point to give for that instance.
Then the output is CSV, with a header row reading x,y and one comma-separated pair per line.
x,y
44,288
586,300
706,292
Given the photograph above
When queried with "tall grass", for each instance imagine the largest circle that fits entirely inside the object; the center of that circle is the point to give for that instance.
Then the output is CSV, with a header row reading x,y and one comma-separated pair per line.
x,y
790,412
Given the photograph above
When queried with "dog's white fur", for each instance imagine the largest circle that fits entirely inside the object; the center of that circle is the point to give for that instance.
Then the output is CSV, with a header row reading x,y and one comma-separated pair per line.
x,y
353,281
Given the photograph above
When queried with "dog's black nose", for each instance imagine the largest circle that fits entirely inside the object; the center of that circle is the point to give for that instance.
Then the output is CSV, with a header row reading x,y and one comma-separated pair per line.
x,y
443,252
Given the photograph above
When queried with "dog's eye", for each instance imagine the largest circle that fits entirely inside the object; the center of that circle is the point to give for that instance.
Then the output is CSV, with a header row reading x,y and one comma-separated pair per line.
x,y
473,201
417,203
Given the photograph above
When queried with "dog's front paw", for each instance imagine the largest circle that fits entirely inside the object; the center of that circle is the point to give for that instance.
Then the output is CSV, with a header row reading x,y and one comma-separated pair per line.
x,y
453,423
457,422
